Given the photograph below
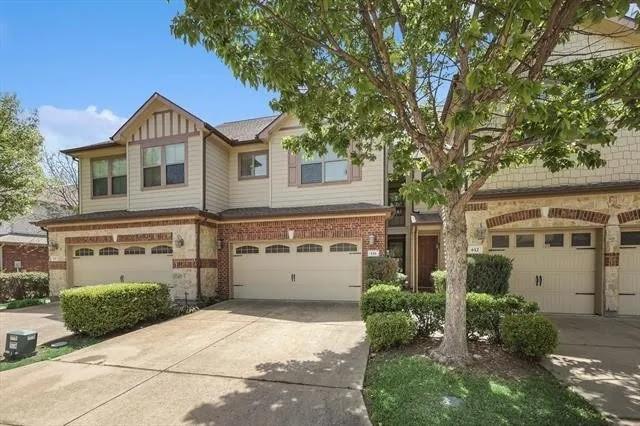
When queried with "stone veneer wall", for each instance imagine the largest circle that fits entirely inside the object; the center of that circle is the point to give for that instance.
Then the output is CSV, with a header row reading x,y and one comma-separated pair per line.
x,y
304,229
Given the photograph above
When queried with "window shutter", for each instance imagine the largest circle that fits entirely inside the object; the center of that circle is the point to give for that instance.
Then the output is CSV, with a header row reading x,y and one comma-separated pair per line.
x,y
293,169
356,172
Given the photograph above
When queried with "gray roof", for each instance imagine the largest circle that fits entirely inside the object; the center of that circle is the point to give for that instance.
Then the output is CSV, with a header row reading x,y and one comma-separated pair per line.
x,y
245,130
99,145
22,225
426,219
120,214
487,194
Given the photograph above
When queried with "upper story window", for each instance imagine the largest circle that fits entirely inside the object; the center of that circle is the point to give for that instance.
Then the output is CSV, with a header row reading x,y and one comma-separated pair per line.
x,y
109,176
327,168
253,164
163,165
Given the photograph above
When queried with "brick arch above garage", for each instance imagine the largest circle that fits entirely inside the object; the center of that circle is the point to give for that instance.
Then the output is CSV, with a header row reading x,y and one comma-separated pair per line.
x,y
554,213
629,216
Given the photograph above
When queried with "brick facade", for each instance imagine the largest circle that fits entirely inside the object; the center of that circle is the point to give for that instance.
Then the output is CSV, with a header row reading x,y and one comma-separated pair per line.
x,y
277,230
517,216
585,215
34,258
629,216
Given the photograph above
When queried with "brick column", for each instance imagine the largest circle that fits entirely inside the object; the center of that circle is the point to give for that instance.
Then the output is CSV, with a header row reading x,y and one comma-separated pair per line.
x,y
611,266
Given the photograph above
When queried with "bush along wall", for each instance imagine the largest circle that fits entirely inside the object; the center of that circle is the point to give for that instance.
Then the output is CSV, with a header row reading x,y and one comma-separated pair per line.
x,y
486,273
381,269
101,309
23,285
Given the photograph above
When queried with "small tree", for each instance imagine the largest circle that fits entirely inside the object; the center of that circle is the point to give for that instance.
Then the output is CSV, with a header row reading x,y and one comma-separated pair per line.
x,y
20,154
456,89
61,180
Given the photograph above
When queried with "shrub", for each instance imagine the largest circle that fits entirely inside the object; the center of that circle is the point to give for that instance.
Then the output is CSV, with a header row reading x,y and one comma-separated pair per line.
x,y
375,283
529,335
439,278
98,310
485,313
428,311
487,273
389,329
23,303
23,285
381,269
383,298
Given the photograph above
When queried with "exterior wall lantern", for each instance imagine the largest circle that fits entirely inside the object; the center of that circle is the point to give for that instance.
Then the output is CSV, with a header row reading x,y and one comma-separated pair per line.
x,y
219,243
179,242
372,239
480,232
53,245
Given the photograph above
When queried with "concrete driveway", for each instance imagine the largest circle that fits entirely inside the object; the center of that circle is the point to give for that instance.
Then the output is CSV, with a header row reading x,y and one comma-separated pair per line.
x,y
238,362
600,359
45,319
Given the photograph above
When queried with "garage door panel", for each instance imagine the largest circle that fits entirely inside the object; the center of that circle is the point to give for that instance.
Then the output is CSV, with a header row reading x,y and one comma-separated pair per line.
x,y
629,294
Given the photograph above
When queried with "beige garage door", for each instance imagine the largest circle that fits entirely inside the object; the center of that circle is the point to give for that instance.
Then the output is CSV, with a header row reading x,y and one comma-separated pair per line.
x,y
133,263
629,273
556,269
325,270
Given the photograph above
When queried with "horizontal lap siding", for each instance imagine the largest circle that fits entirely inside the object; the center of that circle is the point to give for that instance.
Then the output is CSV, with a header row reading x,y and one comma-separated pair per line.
x,y
217,166
89,204
248,192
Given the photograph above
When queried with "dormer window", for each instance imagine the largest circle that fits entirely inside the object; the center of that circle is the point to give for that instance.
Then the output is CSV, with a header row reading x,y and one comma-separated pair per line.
x,y
163,165
108,176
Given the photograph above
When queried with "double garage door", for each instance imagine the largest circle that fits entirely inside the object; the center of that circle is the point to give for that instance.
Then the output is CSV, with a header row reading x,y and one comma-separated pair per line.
x,y
307,270
115,263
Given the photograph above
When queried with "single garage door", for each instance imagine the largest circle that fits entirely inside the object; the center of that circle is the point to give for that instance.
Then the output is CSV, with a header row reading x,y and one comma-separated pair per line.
x,y
556,268
133,263
629,273
309,270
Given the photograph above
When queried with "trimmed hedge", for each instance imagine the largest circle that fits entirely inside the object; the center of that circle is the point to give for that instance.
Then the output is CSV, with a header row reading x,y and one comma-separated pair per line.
x,y
530,335
486,273
383,298
98,310
428,309
389,329
381,269
23,303
439,278
23,285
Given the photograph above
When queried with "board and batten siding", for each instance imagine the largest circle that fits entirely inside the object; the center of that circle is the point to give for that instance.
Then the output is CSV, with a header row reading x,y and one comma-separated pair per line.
x,y
188,195
247,192
217,182
100,204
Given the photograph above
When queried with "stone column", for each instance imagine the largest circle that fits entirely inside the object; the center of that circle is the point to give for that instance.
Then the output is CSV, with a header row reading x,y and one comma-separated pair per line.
x,y
611,266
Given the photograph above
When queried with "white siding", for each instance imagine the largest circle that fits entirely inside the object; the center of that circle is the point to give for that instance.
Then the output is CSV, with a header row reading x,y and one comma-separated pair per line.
x,y
189,195
89,204
247,192
217,168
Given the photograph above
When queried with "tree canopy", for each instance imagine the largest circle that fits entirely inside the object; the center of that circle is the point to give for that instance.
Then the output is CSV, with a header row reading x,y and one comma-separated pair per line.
x,y
21,175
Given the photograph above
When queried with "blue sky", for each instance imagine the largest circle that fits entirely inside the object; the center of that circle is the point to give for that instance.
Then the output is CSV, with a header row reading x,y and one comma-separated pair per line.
x,y
87,65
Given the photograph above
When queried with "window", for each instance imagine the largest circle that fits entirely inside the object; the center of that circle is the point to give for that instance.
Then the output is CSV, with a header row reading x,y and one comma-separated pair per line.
x,y
339,247
253,164
247,250
277,248
500,241
84,252
309,248
161,250
525,241
327,168
134,250
554,240
163,165
109,177
108,251
630,238
581,239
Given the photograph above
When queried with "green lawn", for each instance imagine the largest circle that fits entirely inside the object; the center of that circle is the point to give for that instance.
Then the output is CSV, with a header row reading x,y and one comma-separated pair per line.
x,y
45,352
408,390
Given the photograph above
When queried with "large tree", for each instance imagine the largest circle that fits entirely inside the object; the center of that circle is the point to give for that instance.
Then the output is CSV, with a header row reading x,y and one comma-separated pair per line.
x,y
457,89
61,183
20,153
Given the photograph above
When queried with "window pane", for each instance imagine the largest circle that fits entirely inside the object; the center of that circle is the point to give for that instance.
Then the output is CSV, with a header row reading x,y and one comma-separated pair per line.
x,y
554,240
175,174
246,165
335,171
630,238
119,185
118,167
310,158
311,173
500,241
152,176
100,168
581,239
151,156
260,165
524,240
100,186
174,153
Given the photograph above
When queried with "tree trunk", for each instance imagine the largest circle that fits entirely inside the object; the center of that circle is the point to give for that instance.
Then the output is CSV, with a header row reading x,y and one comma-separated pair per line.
x,y
453,349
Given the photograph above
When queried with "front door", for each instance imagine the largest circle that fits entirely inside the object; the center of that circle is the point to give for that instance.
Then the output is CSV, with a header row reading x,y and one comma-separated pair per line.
x,y
427,261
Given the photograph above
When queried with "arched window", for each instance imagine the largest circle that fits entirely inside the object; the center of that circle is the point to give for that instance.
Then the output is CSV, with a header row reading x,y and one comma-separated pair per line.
x,y
108,251
134,250
84,252
277,248
247,250
309,248
338,247
161,250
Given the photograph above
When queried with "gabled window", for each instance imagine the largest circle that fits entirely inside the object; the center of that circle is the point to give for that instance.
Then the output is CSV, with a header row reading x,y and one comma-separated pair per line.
x,y
134,250
309,248
109,176
84,252
163,165
341,247
327,168
277,248
247,250
161,250
108,251
253,164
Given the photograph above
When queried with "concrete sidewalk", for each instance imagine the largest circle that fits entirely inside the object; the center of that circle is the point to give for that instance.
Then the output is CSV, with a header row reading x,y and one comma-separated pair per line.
x,y
45,319
239,362
600,359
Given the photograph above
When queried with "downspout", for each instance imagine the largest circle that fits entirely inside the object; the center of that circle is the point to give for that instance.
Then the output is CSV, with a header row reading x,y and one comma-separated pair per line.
x,y
198,262
204,205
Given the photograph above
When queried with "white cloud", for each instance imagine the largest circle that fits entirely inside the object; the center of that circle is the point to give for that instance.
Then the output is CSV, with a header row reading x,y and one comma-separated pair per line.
x,y
66,128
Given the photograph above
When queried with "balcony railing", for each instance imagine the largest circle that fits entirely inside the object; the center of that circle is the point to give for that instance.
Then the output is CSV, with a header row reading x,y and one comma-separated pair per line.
x,y
398,218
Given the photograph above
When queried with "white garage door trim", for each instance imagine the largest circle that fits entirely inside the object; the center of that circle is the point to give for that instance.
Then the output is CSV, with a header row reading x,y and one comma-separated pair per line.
x,y
300,270
629,291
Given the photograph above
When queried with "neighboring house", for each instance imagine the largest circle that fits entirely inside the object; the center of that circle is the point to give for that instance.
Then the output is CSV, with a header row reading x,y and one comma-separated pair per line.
x,y
227,211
